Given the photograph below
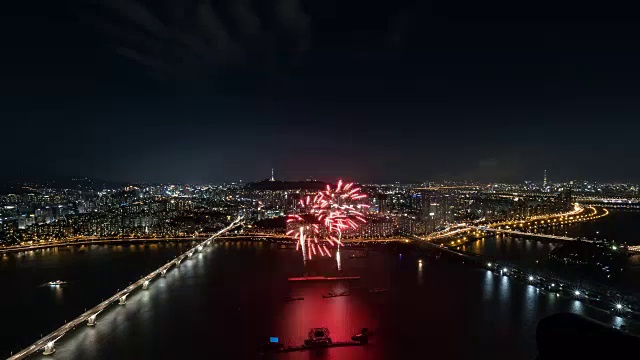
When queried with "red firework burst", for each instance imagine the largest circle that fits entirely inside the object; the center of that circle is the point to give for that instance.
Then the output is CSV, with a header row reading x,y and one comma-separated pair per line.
x,y
339,210
325,217
305,228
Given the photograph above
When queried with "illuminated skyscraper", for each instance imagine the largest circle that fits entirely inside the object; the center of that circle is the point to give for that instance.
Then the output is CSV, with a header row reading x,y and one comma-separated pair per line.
x,y
565,198
383,205
433,209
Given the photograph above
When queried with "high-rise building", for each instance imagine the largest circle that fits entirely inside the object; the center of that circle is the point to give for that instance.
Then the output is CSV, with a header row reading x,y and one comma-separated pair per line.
x,y
82,208
565,197
433,212
22,222
383,206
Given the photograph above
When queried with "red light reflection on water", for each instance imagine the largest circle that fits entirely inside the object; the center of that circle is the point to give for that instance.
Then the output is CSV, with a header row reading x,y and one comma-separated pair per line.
x,y
344,316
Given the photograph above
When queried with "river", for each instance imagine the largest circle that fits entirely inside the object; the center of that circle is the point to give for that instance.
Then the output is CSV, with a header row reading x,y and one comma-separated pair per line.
x,y
92,273
619,226
228,299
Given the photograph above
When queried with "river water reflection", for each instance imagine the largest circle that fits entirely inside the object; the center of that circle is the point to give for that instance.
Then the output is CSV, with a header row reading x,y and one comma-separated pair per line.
x,y
92,273
227,300
531,253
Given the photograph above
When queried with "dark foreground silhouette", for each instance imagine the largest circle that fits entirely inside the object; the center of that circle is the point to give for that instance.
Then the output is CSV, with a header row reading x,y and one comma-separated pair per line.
x,y
571,336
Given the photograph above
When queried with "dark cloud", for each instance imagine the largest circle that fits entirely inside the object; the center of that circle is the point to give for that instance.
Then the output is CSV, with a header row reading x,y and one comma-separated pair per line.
x,y
200,37
500,168
402,24
295,21
244,15
504,168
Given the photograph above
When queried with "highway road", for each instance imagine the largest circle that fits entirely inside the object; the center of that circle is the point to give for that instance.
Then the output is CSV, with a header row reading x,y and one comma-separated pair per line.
x,y
111,241
513,232
22,248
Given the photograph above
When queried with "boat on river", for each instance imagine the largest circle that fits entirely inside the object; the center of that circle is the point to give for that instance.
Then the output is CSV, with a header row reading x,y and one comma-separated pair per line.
x,y
332,294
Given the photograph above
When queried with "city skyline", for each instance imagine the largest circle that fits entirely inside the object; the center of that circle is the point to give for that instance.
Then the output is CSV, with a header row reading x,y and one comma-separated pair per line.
x,y
362,179
543,180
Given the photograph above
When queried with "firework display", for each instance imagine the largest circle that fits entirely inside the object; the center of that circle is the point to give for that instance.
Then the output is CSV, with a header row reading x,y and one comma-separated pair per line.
x,y
306,229
326,217
339,210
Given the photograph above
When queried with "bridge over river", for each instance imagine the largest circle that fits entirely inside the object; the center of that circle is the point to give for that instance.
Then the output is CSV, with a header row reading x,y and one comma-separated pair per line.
x,y
47,343
522,233
631,249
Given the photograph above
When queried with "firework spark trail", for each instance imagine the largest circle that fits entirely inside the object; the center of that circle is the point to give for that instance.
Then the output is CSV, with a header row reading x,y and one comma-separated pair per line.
x,y
304,228
335,209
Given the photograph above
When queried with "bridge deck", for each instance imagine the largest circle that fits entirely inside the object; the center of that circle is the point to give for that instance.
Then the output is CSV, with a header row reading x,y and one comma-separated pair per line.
x,y
57,334
513,232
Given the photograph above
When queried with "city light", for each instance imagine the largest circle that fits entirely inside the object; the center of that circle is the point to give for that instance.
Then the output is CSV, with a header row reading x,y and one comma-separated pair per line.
x,y
448,134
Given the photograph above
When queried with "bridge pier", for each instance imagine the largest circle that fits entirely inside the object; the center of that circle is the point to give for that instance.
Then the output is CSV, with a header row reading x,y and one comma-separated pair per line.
x,y
190,254
178,263
145,285
199,248
49,349
91,321
123,300
163,273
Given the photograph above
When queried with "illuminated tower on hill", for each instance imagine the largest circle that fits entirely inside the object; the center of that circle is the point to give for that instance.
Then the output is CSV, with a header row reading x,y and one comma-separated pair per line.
x,y
544,183
272,176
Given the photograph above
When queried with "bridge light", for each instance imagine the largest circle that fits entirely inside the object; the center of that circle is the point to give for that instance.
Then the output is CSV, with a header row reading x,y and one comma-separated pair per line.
x,y
619,306
530,278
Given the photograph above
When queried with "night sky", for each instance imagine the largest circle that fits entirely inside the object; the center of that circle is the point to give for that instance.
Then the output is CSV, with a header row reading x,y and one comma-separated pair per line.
x,y
211,91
